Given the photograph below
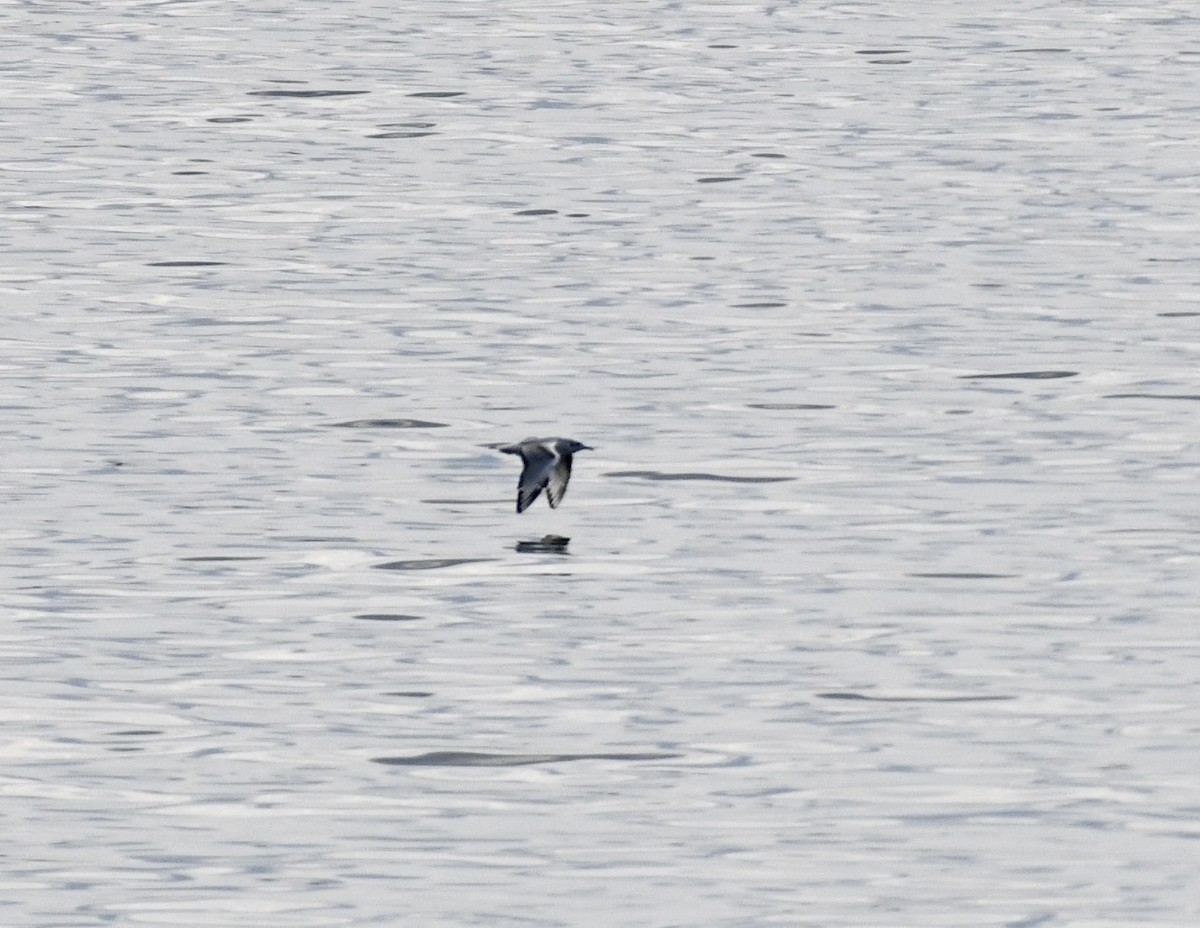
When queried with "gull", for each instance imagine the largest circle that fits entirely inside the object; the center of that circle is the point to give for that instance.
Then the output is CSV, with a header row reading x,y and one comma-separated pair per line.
x,y
547,466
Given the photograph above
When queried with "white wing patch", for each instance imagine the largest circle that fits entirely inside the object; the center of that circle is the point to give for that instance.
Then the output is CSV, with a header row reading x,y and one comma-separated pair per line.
x,y
546,465
558,478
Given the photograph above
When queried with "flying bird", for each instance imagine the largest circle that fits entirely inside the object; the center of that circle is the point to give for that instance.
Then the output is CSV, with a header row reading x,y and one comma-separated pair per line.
x,y
547,466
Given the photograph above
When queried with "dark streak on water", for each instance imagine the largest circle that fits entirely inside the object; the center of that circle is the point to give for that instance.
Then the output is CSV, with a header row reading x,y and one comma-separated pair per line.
x,y
317,539
659,475
222,557
472,759
1021,375
1152,396
388,617
964,576
790,406
466,502
878,55
186,263
305,93
432,563
388,424
860,697
198,321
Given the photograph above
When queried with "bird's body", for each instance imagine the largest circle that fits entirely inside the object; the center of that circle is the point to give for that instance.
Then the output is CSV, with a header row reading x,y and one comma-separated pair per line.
x,y
547,467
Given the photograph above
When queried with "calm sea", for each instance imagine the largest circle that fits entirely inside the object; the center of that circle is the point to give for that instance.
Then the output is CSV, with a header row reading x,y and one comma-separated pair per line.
x,y
879,605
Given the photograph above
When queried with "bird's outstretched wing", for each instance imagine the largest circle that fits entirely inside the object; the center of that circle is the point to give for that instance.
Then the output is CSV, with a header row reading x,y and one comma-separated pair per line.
x,y
557,479
535,475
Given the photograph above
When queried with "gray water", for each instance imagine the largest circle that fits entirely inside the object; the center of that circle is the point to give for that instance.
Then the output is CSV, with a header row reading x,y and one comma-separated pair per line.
x,y
879,605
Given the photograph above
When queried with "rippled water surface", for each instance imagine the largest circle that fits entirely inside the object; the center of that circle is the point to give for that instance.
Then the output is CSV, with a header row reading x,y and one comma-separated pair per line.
x,y
876,602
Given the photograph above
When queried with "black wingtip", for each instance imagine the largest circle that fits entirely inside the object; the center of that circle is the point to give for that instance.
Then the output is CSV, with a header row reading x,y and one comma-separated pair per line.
x,y
525,500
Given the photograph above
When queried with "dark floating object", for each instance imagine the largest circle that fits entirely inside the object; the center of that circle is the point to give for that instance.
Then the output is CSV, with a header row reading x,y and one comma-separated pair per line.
x,y
306,94
864,698
438,94
472,759
431,563
1179,315
1153,396
389,424
547,544
411,694
790,406
767,154
759,305
536,212
964,576
715,180
659,475
186,263
388,617
226,120
1022,375
547,466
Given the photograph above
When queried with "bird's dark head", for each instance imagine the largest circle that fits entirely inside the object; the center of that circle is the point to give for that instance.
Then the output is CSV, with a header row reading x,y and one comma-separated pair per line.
x,y
570,446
